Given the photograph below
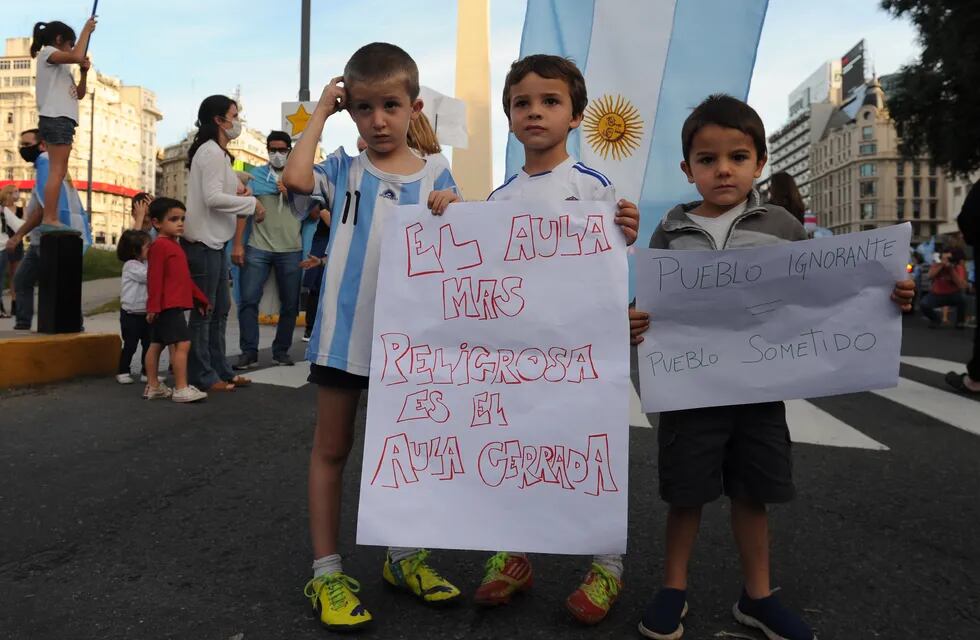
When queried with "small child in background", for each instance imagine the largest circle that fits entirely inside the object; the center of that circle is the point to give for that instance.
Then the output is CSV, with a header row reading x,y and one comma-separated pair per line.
x,y
170,293
54,45
132,252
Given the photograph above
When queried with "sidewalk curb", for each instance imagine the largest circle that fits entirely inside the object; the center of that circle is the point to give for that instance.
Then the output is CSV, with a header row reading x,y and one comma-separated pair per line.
x,y
41,359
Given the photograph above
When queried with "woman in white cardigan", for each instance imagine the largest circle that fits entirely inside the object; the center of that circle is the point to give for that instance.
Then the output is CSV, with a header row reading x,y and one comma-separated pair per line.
x,y
215,200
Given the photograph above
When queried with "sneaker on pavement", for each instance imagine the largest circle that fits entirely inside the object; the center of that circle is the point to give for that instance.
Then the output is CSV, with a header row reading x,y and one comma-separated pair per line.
x,y
306,336
161,391
142,377
246,361
283,360
662,618
22,327
414,575
125,378
771,618
334,602
505,575
595,596
190,393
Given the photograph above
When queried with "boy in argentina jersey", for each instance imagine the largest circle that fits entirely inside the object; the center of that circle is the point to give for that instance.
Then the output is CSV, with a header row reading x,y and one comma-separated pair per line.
x,y
380,90
544,99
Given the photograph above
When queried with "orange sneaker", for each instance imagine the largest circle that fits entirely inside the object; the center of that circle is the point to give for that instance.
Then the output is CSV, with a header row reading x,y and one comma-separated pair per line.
x,y
506,574
595,596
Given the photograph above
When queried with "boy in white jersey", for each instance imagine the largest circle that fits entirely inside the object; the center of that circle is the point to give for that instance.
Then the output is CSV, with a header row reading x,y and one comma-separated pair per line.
x,y
380,90
544,99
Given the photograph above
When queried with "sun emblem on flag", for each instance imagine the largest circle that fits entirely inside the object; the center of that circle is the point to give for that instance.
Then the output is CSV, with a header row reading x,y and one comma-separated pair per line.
x,y
613,127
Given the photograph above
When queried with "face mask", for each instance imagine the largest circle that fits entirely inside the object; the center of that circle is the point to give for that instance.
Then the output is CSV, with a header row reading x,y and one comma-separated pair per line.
x,y
278,159
30,154
235,131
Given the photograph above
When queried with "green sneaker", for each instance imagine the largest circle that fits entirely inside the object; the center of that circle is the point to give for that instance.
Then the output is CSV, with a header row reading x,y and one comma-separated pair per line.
x,y
333,600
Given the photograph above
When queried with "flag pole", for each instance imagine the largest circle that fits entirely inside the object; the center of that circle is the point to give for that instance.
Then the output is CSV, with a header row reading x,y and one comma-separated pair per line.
x,y
95,5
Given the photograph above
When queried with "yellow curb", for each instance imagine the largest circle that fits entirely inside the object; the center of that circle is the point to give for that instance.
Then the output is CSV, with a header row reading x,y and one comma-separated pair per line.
x,y
41,359
265,318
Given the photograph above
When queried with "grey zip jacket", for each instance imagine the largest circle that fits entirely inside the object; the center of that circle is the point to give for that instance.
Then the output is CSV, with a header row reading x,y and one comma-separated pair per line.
x,y
759,225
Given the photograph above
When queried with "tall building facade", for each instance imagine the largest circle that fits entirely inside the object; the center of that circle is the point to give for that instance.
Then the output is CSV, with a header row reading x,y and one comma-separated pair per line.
x,y
123,148
860,181
810,105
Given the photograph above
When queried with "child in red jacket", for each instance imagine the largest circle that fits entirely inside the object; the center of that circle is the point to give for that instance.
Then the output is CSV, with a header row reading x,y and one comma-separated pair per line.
x,y
170,294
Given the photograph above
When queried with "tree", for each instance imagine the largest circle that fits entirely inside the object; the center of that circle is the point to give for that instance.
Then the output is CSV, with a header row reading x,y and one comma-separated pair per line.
x,y
936,100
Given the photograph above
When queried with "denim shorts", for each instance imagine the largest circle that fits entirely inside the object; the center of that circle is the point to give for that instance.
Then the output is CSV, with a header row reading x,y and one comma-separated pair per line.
x,y
60,130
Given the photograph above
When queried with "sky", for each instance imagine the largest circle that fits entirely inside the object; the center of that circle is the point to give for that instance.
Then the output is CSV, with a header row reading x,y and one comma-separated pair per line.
x,y
185,50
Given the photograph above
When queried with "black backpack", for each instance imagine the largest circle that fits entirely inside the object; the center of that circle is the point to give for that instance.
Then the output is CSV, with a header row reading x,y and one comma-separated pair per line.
x,y
969,218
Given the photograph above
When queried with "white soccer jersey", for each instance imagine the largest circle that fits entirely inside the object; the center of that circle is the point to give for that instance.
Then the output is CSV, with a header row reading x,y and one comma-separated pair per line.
x,y
570,180
341,336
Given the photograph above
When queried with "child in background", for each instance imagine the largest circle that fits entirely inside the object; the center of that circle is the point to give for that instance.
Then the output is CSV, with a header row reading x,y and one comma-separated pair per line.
x,y
132,251
170,294
55,47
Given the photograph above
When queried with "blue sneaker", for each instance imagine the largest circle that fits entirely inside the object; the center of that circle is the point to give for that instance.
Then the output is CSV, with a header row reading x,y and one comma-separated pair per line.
x,y
662,618
770,617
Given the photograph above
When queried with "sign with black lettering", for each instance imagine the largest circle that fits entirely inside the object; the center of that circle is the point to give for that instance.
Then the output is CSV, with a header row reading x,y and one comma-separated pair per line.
x,y
792,320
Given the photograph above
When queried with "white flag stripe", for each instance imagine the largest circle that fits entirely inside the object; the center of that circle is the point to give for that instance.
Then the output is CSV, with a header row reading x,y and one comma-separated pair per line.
x,y
934,364
629,41
637,417
944,406
812,425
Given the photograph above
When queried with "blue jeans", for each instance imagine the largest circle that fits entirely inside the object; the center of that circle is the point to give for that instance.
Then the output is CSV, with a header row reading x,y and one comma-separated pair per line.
x,y
28,272
933,301
206,363
254,274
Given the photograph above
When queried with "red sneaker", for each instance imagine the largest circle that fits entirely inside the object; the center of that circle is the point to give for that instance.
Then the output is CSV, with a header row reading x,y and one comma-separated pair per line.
x,y
506,574
595,596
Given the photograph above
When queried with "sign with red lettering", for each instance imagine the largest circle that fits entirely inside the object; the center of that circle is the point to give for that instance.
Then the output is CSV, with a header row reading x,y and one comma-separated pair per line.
x,y
498,405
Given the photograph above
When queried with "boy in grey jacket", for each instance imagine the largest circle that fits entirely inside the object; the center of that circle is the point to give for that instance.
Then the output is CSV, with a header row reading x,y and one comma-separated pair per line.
x,y
742,451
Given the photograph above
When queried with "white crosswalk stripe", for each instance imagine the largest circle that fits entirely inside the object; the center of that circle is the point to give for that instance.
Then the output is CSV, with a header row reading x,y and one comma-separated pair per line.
x,y
808,423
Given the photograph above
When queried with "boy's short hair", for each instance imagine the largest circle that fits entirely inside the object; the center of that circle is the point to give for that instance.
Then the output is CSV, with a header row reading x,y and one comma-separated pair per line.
x,y
131,244
160,207
281,136
381,61
553,68
728,112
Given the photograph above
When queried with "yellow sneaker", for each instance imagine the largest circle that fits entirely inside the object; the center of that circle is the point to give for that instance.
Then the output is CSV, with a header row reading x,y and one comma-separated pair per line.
x,y
332,597
414,575
595,596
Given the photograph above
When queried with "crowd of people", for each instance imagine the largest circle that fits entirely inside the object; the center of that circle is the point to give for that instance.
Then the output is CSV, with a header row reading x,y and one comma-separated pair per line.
x,y
175,295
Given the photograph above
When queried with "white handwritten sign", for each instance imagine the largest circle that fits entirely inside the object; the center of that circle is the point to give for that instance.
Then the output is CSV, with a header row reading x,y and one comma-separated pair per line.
x,y
793,320
498,404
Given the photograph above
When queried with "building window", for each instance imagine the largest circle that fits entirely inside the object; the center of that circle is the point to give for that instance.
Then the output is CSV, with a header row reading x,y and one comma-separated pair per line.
x,y
868,211
10,174
916,209
867,189
867,169
99,237
868,149
9,157
915,168
957,191
933,209
22,81
901,167
932,169
916,188
932,229
900,187
932,187
10,117
22,64
4,64
867,133
900,209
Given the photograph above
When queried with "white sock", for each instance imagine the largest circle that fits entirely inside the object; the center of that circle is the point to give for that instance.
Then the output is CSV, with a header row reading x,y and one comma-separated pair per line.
x,y
400,553
611,563
327,564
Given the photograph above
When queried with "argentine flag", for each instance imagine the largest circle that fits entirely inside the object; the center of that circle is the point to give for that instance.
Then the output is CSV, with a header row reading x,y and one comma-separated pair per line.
x,y
647,64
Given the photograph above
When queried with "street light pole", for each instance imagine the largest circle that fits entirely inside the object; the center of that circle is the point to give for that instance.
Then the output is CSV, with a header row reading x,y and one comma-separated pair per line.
x,y
304,53
91,152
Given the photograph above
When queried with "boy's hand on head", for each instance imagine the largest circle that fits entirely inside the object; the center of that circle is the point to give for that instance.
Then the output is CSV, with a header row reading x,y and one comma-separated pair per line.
x,y
639,323
628,219
439,200
334,97
903,293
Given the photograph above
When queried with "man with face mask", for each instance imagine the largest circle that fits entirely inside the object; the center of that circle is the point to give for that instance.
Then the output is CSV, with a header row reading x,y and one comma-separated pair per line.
x,y
274,244
32,150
